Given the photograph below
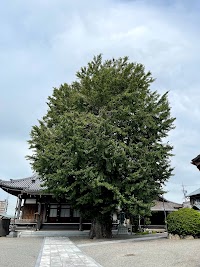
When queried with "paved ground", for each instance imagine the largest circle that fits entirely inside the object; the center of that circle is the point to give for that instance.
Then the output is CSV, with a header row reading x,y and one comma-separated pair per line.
x,y
154,253
61,252
82,252
18,252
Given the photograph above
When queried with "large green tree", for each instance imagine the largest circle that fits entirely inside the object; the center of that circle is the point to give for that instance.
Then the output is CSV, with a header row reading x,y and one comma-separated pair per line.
x,y
100,145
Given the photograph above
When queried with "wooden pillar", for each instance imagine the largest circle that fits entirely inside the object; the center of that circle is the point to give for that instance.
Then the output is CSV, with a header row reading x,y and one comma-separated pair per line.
x,y
19,207
80,224
38,216
39,208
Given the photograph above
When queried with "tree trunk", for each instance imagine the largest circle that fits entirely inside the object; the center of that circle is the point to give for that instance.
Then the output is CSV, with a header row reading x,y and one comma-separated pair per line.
x,y
101,227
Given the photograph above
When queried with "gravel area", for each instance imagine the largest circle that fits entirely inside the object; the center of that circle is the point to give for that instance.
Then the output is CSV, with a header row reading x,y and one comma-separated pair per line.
x,y
154,253
19,252
132,252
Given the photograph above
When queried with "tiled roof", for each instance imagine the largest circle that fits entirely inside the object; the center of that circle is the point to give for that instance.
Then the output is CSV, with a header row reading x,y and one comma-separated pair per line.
x,y
167,205
29,184
33,184
194,193
196,161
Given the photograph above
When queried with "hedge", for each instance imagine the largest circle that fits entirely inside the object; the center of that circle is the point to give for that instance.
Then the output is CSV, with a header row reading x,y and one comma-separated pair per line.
x,y
184,222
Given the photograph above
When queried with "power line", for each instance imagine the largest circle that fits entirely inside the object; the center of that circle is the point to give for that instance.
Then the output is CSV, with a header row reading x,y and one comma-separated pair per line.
x,y
180,184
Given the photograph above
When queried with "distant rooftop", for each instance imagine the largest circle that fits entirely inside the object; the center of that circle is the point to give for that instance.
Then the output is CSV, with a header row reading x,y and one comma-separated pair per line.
x,y
194,193
196,161
163,204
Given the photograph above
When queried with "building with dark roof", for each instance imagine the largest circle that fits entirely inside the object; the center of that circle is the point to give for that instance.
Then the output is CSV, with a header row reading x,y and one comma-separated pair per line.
x,y
37,207
162,207
195,199
163,204
195,195
196,162
28,186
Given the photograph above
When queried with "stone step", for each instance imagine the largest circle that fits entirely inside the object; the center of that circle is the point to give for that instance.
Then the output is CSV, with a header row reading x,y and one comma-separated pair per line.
x,y
41,233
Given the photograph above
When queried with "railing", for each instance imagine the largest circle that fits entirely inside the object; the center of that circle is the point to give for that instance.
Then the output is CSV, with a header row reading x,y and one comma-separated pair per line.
x,y
23,223
154,228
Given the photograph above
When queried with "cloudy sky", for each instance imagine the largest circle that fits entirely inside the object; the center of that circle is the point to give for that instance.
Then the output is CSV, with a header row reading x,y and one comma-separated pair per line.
x,y
43,44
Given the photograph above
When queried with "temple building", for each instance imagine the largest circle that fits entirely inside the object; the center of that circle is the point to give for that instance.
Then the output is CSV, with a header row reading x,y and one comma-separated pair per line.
x,y
38,209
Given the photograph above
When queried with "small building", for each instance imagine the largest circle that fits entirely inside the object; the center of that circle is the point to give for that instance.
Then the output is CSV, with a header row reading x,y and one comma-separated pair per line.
x,y
162,207
195,195
36,207
3,206
195,199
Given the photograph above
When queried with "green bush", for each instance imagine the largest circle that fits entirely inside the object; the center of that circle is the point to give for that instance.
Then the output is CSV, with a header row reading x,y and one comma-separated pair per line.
x,y
184,222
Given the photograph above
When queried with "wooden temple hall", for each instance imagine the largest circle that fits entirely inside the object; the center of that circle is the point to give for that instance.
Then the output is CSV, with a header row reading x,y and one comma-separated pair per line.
x,y
40,210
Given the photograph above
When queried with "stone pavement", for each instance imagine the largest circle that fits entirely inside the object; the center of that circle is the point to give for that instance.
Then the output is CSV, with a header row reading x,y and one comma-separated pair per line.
x,y
61,252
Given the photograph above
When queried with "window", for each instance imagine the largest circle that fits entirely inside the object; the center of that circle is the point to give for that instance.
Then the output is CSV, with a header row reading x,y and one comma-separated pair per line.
x,y
76,213
53,211
65,211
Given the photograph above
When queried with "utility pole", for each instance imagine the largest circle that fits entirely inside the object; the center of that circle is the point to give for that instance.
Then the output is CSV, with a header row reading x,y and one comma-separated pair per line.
x,y
184,192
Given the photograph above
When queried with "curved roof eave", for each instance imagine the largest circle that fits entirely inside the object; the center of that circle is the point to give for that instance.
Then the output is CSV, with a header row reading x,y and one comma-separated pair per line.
x,y
29,185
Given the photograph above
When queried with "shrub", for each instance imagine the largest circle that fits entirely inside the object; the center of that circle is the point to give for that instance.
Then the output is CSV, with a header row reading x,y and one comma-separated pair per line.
x,y
183,222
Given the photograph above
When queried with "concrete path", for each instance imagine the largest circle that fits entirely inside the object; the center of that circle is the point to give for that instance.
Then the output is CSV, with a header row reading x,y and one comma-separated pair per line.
x,y
61,252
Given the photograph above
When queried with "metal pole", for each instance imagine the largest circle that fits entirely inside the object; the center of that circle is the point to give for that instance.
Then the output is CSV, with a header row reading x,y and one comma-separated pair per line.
x,y
165,216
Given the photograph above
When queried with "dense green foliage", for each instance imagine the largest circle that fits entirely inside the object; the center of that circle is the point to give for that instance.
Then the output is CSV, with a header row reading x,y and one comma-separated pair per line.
x,y
183,222
101,142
